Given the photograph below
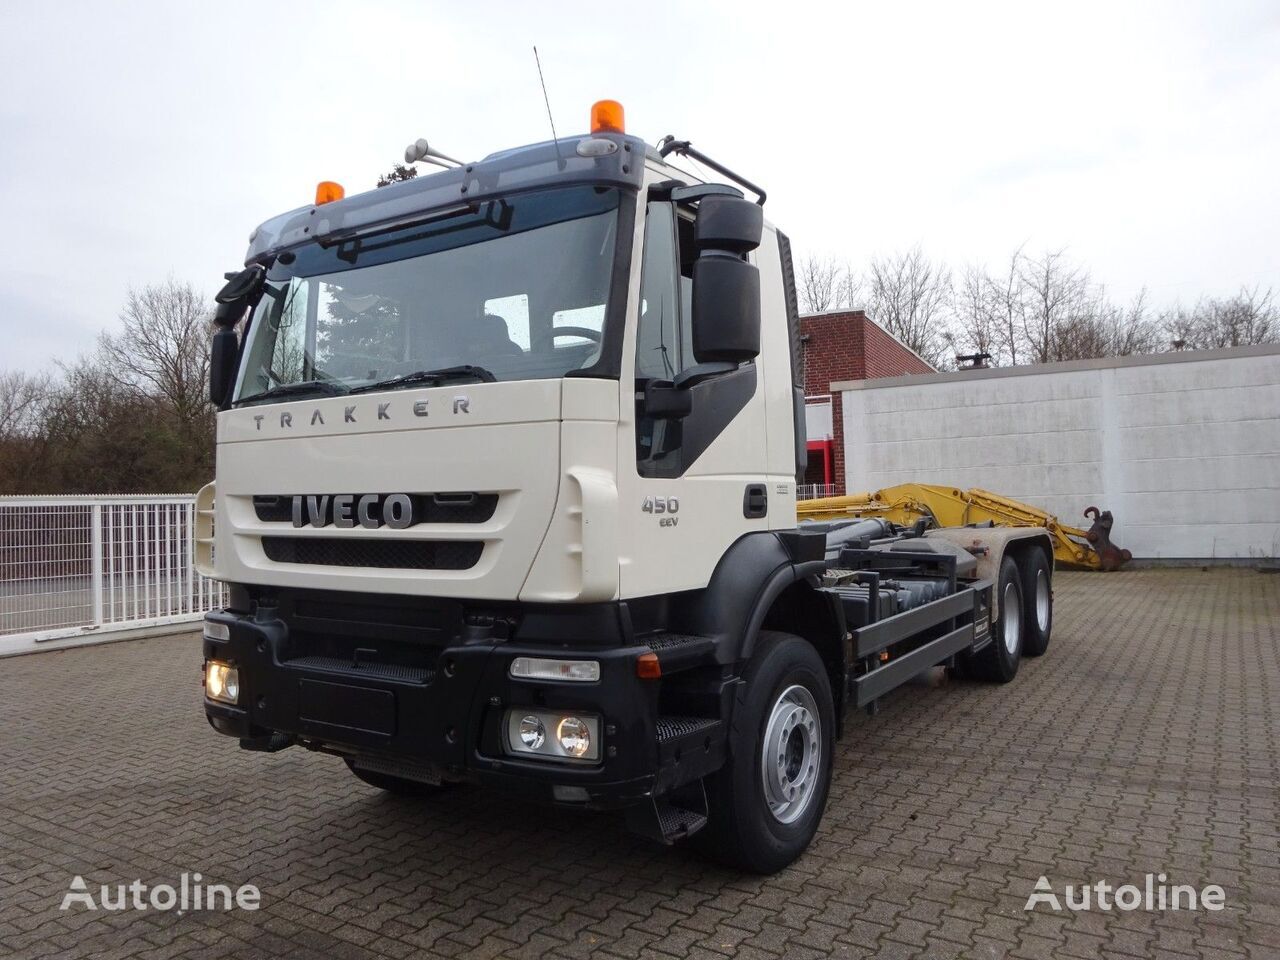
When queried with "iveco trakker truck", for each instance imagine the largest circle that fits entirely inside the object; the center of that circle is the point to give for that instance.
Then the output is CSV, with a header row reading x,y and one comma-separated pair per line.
x,y
506,495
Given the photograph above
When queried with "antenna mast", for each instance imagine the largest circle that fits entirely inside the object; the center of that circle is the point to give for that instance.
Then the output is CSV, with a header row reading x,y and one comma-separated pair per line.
x,y
546,99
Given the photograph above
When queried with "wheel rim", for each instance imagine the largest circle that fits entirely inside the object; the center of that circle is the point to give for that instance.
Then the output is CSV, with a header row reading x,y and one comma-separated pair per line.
x,y
1011,617
1042,600
791,754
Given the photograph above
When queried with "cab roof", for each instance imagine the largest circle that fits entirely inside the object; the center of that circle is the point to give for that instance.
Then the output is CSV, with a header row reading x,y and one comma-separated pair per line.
x,y
547,164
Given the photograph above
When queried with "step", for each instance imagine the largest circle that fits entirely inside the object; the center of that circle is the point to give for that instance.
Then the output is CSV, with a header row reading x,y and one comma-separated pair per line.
x,y
678,651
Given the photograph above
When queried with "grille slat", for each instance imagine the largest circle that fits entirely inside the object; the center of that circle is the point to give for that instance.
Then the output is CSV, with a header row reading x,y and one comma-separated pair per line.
x,y
382,671
381,554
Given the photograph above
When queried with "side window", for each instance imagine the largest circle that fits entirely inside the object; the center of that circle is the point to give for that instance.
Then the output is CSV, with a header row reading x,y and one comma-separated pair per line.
x,y
667,446
688,254
658,340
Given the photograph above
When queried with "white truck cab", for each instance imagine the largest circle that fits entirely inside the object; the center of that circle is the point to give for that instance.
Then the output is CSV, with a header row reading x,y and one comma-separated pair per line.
x,y
506,478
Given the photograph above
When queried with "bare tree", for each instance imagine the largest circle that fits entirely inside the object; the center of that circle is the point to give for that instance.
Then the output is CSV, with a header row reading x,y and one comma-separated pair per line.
x,y
23,398
163,348
977,314
1056,295
851,289
819,284
1133,330
1249,317
909,295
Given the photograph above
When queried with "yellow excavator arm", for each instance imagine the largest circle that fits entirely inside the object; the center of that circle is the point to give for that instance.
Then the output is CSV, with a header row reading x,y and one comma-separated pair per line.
x,y
907,503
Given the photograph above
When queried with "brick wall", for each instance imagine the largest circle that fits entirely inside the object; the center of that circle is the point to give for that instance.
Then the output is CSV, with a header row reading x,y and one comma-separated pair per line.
x,y
848,345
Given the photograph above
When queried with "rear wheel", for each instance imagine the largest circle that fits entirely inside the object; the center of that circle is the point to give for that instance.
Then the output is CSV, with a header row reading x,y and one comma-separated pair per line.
x,y
999,659
400,786
765,804
1037,603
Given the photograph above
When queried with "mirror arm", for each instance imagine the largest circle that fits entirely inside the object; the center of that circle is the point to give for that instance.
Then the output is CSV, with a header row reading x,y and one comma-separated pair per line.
x,y
701,372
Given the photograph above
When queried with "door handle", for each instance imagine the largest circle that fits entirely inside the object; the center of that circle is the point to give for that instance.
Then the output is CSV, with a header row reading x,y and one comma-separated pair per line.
x,y
755,502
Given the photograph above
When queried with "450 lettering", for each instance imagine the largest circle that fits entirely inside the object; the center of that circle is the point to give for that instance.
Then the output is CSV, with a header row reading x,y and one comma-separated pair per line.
x,y
662,505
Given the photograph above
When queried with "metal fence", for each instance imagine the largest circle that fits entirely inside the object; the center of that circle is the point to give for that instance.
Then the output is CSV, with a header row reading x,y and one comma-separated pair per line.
x,y
82,566
812,491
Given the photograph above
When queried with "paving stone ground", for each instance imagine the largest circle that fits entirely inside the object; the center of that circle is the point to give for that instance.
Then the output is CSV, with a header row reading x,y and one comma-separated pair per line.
x,y
1147,740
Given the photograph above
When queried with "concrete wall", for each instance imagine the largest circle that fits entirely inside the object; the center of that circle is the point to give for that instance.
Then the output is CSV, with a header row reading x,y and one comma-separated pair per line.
x,y
1184,448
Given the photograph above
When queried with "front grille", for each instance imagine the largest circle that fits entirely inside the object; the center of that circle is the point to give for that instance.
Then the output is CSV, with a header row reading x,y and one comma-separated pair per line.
x,y
363,552
381,671
427,507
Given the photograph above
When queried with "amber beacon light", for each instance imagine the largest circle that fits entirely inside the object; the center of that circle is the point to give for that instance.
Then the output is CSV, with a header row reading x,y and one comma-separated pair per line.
x,y
327,191
606,117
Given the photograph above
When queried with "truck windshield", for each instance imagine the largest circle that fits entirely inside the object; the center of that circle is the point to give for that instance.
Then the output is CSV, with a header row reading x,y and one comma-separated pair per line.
x,y
509,289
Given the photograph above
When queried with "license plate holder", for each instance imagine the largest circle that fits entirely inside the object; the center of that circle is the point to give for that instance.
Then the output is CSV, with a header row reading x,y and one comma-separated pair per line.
x,y
344,706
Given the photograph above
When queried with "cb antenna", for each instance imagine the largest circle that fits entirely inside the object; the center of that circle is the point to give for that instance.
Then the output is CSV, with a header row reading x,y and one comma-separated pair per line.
x,y
546,99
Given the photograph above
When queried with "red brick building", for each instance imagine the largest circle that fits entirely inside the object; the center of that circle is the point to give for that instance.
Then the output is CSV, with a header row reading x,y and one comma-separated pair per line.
x,y
843,345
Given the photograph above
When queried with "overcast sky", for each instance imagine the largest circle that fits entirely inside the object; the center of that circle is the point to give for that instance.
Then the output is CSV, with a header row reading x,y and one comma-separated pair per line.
x,y
142,140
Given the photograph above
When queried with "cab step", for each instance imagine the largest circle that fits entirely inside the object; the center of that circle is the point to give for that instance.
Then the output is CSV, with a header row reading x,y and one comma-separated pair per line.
x,y
672,816
679,651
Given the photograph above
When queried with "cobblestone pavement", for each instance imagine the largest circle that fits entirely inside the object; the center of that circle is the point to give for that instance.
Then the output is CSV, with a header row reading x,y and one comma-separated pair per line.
x,y
1148,740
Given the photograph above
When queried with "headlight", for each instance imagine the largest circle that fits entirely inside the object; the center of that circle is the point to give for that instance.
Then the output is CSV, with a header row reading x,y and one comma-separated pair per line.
x,y
532,733
221,682
574,736
577,735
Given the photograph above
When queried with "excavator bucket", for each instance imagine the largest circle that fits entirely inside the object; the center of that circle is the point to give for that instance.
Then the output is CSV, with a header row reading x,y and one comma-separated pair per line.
x,y
1110,557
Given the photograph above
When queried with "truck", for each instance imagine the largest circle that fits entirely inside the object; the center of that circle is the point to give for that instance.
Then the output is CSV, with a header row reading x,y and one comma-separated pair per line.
x,y
505,495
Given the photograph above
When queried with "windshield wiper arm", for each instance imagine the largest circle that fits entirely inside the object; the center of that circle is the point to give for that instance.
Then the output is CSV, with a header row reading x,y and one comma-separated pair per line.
x,y
291,389
431,377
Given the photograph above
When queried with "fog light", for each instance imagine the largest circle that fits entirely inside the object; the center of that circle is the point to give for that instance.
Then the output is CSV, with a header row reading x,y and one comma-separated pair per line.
x,y
221,682
532,733
575,738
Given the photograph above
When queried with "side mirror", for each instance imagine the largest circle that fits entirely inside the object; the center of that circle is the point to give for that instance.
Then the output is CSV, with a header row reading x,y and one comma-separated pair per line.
x,y
222,366
241,290
726,288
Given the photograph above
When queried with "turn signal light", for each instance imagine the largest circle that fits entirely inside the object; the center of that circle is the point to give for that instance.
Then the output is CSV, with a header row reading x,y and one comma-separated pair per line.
x,y
648,667
327,191
607,117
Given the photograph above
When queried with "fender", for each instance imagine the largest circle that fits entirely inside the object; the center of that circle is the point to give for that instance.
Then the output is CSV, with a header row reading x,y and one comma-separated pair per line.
x,y
753,572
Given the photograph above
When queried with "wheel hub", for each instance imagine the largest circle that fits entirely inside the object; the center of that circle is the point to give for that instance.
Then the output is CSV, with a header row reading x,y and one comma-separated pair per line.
x,y
791,754
1011,618
1042,600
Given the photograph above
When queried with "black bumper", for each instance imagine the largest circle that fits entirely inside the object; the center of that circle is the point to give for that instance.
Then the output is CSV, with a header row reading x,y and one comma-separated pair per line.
x,y
451,718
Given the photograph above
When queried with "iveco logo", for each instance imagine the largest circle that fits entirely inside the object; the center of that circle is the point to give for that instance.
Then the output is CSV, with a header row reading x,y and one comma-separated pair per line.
x,y
373,510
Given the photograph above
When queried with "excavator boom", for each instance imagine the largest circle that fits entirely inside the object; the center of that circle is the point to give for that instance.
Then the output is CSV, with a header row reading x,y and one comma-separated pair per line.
x,y
907,503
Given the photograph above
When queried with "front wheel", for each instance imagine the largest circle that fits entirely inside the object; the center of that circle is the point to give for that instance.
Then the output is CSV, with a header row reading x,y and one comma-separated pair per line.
x,y
765,804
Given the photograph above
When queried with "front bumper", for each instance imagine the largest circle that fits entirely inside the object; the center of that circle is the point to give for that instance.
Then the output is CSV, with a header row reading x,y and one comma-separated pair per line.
x,y
448,719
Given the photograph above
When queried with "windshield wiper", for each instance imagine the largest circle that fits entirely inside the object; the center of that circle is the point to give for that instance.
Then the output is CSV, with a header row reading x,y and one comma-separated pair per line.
x,y
330,387
431,378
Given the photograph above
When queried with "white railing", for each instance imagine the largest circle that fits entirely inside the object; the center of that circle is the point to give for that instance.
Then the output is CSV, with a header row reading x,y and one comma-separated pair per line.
x,y
812,491
80,567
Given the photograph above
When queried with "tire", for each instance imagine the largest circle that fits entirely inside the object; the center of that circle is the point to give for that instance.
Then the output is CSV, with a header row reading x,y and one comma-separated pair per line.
x,y
397,785
761,819
998,660
1037,603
